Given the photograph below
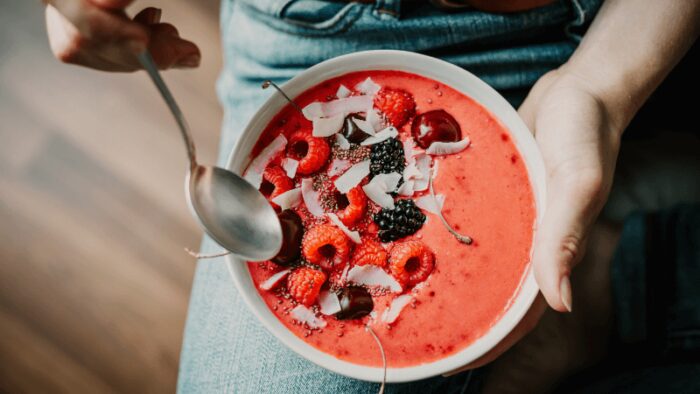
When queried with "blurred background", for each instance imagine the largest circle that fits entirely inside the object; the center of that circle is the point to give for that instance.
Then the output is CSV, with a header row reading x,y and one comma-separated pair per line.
x,y
94,282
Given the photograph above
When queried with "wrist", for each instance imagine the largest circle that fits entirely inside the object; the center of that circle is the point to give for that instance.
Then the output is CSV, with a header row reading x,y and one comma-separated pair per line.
x,y
618,94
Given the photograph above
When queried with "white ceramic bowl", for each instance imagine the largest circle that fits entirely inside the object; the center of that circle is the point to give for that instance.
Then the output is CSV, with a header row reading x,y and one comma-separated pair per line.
x,y
458,79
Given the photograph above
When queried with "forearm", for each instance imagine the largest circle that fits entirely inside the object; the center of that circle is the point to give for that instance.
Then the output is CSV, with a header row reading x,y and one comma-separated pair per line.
x,y
630,48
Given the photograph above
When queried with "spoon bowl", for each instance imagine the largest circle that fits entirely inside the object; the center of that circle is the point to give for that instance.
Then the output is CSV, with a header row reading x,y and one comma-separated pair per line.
x,y
234,213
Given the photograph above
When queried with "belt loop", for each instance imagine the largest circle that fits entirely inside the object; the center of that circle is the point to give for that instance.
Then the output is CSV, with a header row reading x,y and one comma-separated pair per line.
x,y
388,9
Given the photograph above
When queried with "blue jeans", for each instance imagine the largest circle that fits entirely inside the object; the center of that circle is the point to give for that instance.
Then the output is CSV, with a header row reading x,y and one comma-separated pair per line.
x,y
225,348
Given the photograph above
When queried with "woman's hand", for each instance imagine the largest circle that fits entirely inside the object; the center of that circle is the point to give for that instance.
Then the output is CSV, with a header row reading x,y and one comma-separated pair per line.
x,y
579,144
98,34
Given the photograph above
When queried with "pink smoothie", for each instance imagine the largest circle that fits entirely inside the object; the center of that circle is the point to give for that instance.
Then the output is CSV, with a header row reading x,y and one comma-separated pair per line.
x,y
488,197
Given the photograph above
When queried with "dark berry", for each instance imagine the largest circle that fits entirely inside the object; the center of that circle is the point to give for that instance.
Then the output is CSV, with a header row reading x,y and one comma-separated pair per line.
x,y
292,234
353,133
355,302
386,157
405,219
435,126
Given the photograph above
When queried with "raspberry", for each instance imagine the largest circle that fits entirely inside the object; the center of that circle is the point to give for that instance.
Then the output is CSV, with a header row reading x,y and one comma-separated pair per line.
x,y
405,219
304,284
370,252
326,245
353,205
386,157
411,262
312,152
275,182
397,105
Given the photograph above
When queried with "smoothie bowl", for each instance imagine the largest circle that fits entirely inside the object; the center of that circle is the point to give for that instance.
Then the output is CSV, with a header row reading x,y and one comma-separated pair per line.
x,y
409,192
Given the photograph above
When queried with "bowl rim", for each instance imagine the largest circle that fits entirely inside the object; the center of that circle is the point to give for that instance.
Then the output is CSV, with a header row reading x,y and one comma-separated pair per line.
x,y
458,79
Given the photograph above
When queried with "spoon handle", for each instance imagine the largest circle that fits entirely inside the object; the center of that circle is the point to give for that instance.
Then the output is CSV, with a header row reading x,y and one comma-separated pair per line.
x,y
150,66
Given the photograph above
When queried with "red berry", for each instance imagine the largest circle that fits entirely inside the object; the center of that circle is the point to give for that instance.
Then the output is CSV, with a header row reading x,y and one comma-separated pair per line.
x,y
435,126
327,246
312,152
411,262
304,284
397,105
353,206
370,252
275,182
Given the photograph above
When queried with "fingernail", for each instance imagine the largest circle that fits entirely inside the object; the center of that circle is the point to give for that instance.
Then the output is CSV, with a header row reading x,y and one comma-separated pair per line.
x,y
155,16
565,292
190,61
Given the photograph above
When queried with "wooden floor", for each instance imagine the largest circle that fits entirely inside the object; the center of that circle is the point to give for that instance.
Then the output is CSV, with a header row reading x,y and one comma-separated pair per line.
x,y
94,282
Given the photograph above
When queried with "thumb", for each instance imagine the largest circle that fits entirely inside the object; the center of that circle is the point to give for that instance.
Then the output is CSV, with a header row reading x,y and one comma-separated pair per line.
x,y
561,238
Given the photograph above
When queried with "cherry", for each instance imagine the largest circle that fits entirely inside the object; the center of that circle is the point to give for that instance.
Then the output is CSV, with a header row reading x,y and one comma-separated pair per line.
x,y
435,126
353,133
355,302
292,233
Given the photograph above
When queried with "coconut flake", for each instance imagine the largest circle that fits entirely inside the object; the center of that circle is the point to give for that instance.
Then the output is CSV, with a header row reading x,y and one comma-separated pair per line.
x,y
391,313
290,166
342,92
389,181
447,148
375,119
406,188
303,314
365,126
328,302
274,280
353,235
338,166
375,193
383,135
326,127
430,204
289,199
311,197
368,86
371,275
342,142
352,177
254,172
423,163
409,150
341,106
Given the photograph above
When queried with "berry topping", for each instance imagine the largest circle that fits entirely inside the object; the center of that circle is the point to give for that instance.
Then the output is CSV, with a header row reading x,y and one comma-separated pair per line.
x,y
352,205
370,252
275,182
405,219
386,157
397,105
355,302
292,234
312,152
435,126
326,245
351,131
411,262
304,284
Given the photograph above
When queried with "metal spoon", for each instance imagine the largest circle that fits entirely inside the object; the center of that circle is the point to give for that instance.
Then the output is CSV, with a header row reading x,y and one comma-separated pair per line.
x,y
231,210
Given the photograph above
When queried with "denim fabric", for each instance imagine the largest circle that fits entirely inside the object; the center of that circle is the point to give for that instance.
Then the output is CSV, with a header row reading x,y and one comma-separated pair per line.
x,y
225,349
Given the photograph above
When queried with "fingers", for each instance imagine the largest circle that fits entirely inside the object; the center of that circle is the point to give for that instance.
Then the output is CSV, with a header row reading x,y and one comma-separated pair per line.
x,y
169,50
561,237
86,34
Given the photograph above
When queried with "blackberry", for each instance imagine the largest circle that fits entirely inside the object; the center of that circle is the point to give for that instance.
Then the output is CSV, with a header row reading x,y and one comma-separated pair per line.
x,y
386,157
405,219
